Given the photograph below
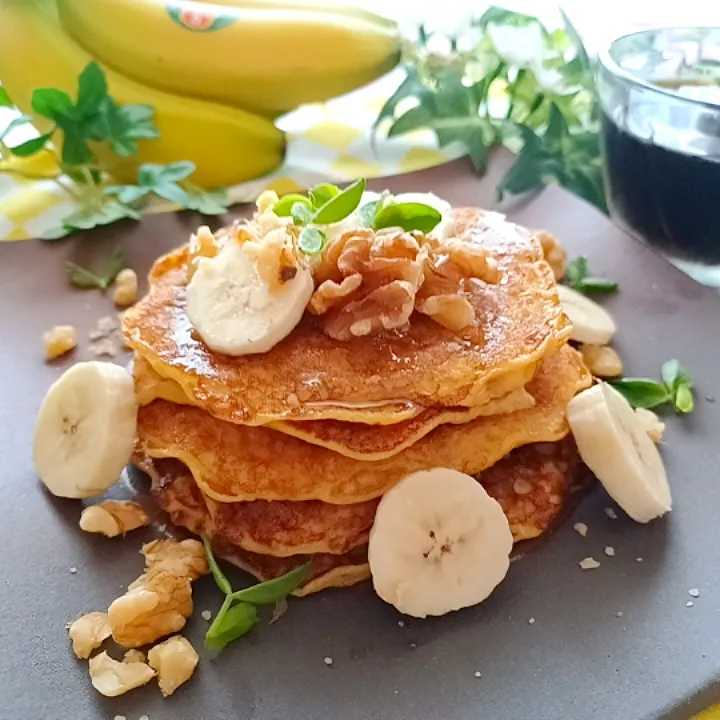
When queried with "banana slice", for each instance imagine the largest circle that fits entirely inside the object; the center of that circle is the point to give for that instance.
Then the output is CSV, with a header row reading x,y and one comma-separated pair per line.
x,y
235,311
614,444
85,430
439,543
592,324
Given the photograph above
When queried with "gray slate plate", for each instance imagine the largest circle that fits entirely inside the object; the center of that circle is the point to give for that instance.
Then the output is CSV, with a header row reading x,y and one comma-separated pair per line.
x,y
579,659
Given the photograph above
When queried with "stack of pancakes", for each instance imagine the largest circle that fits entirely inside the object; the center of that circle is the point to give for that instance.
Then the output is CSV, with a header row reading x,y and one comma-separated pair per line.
x,y
282,457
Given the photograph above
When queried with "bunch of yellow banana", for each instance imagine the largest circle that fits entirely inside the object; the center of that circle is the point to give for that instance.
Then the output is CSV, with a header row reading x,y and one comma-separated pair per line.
x,y
216,73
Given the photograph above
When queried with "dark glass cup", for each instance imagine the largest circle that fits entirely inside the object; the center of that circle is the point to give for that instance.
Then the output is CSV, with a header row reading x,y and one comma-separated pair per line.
x,y
660,101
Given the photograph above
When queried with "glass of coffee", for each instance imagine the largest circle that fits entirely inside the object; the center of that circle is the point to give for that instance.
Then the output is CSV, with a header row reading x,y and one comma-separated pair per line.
x,y
660,102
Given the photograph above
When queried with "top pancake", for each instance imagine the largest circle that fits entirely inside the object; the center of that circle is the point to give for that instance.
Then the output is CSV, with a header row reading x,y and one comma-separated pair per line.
x,y
378,379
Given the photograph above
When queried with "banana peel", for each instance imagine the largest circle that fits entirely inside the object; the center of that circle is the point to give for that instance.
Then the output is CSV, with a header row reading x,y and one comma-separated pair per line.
x,y
214,101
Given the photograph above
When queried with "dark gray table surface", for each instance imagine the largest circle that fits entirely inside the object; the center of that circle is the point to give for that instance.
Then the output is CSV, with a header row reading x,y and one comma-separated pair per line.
x,y
616,642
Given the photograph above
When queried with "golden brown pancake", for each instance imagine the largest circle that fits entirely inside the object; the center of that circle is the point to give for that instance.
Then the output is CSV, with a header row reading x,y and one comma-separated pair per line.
x,y
233,462
531,484
380,379
355,440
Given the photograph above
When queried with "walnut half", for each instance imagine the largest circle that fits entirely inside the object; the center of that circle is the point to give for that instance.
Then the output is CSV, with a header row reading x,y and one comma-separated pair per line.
x,y
113,517
174,660
89,632
186,558
112,678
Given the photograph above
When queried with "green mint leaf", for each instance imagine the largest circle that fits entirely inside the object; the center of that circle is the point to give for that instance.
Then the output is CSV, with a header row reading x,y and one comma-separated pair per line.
x,y
342,205
5,100
212,202
311,241
127,194
301,214
557,130
83,278
283,207
478,151
51,103
670,373
174,172
577,270
367,213
409,87
220,580
92,89
683,400
172,192
408,216
55,234
270,591
642,392
501,16
590,285
30,147
75,150
123,125
110,212
577,42
413,119
229,625
137,114
14,123
320,194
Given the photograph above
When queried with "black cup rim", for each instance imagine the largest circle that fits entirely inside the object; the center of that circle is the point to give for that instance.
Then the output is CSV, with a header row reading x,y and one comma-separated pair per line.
x,y
608,63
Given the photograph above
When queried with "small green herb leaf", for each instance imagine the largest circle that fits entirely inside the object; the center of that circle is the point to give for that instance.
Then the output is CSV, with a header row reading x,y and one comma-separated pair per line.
x,y
684,401
51,103
30,147
679,383
220,580
301,214
311,240
5,100
367,213
578,278
90,217
270,591
229,625
81,277
127,194
408,216
321,194
342,205
92,89
283,207
172,192
642,392
590,285
207,202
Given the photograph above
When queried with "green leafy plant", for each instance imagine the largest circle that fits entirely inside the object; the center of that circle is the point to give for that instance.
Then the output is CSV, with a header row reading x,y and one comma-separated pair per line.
x,y
578,277
84,278
238,612
676,388
520,86
78,128
327,204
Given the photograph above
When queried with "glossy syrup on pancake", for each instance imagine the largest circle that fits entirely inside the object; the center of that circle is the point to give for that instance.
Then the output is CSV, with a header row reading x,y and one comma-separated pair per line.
x,y
375,379
532,485
233,462
355,440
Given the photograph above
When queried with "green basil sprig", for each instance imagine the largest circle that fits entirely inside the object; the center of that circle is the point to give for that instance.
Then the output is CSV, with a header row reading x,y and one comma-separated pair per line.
x,y
238,613
675,388
578,277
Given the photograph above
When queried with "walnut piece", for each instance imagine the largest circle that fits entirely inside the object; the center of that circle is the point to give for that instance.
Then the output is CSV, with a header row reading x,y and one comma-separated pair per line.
x,y
602,360
89,632
113,517
133,655
112,678
203,244
553,252
158,603
266,200
370,281
174,660
275,256
60,341
186,558
126,288
652,424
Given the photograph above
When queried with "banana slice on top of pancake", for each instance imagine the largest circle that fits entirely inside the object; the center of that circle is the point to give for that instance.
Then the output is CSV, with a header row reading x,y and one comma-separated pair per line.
x,y
613,442
439,543
85,431
233,308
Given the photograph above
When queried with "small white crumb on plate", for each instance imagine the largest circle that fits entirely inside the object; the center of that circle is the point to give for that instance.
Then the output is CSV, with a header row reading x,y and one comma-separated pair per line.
x,y
611,513
478,673
120,717
162,528
531,621
73,570
328,660
618,613
580,528
639,559
206,615
694,592
589,563
689,603
610,551
401,623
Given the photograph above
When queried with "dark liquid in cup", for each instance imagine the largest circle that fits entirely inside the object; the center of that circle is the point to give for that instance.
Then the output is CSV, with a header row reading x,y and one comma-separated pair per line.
x,y
668,197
